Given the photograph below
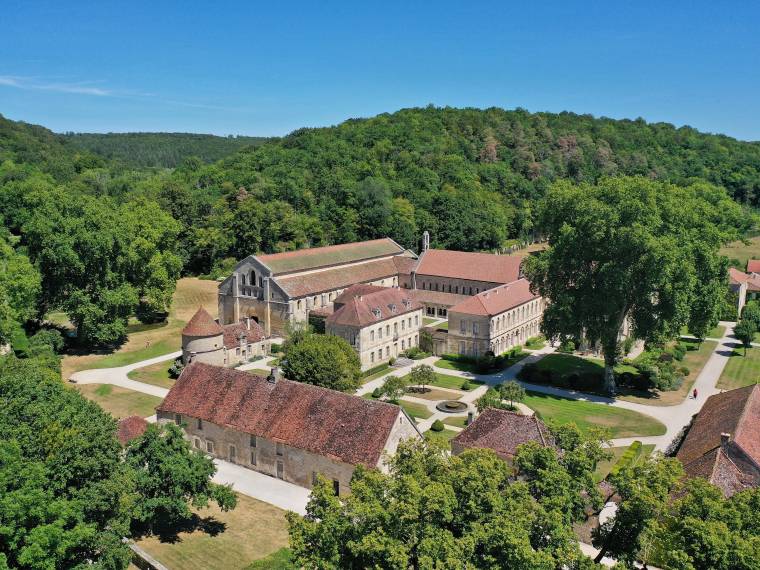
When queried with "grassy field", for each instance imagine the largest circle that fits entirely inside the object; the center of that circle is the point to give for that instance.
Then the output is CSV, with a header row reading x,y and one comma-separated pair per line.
x,y
715,332
741,370
444,326
118,401
427,321
156,374
149,341
435,394
415,410
279,560
459,421
449,381
442,437
743,252
621,422
471,367
603,468
251,532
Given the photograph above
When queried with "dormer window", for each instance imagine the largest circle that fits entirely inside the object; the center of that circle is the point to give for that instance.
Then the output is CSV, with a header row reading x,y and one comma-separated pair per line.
x,y
393,307
376,312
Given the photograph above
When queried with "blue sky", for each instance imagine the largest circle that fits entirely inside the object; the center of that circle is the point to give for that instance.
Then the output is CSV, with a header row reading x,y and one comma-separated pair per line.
x,y
266,68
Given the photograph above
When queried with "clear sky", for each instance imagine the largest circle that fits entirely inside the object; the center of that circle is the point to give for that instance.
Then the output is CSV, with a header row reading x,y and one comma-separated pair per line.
x,y
266,68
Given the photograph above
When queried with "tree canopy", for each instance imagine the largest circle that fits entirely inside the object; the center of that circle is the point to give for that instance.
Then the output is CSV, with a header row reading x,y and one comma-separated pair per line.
x,y
324,360
635,251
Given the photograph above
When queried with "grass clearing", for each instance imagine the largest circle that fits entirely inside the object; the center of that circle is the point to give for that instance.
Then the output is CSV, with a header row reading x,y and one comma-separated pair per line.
x,y
120,402
279,560
156,374
444,326
741,370
621,422
437,395
743,251
378,374
427,321
535,343
604,467
472,368
451,382
460,421
715,332
253,531
440,437
415,410
149,341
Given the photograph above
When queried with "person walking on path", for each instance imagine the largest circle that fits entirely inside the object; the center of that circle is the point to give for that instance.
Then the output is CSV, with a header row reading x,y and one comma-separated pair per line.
x,y
695,393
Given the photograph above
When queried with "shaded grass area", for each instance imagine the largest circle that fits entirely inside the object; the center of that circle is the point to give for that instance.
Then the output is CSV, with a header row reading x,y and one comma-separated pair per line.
x,y
440,437
156,374
253,531
378,374
444,326
120,402
715,332
149,341
456,421
535,343
621,422
472,367
604,467
279,560
741,370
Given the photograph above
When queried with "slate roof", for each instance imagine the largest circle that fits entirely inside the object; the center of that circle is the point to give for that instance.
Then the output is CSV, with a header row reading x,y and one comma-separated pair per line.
x,y
734,464
315,257
496,300
337,278
130,428
365,309
467,265
339,426
232,333
503,431
753,266
202,324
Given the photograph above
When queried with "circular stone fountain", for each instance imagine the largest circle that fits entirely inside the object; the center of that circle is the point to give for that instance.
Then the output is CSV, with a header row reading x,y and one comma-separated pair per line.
x,y
451,406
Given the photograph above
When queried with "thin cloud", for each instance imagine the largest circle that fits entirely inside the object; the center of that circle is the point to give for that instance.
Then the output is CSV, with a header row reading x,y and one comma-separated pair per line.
x,y
32,84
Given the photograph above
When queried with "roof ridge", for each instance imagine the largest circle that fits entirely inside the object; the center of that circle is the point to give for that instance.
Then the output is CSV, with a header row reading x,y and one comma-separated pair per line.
x,y
745,408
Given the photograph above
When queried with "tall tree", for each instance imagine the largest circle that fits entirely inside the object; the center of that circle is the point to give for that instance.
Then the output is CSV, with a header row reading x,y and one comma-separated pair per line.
x,y
629,249
325,360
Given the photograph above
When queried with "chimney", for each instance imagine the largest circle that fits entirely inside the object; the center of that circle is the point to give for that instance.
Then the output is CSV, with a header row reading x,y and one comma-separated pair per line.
x,y
724,439
274,375
425,240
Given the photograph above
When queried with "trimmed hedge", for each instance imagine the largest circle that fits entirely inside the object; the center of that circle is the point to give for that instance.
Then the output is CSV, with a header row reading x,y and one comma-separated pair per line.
x,y
628,458
376,369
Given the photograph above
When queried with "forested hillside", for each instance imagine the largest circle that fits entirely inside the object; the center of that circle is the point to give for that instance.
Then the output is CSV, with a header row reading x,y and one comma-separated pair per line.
x,y
165,150
106,239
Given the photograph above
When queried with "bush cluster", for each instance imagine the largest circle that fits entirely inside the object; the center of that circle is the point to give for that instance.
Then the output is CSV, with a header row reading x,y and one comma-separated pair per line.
x,y
585,381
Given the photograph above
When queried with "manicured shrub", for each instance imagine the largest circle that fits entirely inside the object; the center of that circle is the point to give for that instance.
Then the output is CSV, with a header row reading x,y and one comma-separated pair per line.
x,y
466,386
377,392
274,348
375,370
437,426
176,368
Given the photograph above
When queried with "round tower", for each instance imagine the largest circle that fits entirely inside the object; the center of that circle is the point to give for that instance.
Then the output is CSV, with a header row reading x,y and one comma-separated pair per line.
x,y
203,340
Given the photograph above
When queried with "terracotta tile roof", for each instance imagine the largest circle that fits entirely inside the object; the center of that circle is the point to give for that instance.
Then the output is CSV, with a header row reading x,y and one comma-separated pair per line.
x,y
355,291
312,258
130,428
202,324
496,300
325,422
736,412
233,332
473,266
735,277
753,282
503,431
366,309
338,278
724,469
753,266
405,265
437,297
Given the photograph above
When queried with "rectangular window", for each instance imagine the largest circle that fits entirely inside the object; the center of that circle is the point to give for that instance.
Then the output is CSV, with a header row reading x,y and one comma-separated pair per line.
x,y
461,347
233,453
200,424
210,447
253,457
379,333
197,443
475,328
387,351
372,357
336,487
280,470
463,326
253,441
178,419
372,336
416,320
279,449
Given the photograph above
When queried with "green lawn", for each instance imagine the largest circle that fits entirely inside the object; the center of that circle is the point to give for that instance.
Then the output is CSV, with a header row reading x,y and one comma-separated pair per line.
x,y
604,467
444,326
415,410
743,252
621,422
460,421
378,374
120,402
715,332
279,560
427,321
254,532
535,343
741,370
156,374
442,437
472,368
449,381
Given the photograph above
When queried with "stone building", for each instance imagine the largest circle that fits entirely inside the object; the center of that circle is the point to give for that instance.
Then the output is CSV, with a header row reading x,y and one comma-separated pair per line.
x,y
281,288
289,430
205,340
379,322
502,431
723,442
495,320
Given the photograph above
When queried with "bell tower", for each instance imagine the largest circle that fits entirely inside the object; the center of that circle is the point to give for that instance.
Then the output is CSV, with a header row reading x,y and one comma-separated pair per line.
x,y
425,240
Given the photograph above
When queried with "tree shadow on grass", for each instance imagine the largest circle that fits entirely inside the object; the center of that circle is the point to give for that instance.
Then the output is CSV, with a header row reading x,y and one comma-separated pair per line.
x,y
169,531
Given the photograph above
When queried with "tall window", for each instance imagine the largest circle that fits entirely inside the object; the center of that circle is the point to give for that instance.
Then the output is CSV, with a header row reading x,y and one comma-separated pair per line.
x,y
280,449
372,335
253,457
233,453
462,326
253,441
475,328
210,447
178,419
200,424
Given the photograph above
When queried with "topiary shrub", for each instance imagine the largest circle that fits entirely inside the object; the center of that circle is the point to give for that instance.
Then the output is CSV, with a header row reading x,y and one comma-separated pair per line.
x,y
466,386
176,368
377,392
437,426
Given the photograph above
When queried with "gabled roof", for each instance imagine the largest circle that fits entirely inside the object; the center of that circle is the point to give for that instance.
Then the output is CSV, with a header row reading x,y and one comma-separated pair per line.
x,y
130,428
356,291
202,324
365,309
233,332
503,431
336,278
496,300
724,469
315,257
736,277
472,266
753,266
339,426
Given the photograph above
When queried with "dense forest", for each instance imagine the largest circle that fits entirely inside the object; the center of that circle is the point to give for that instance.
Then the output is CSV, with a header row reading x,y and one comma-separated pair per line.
x,y
162,150
93,234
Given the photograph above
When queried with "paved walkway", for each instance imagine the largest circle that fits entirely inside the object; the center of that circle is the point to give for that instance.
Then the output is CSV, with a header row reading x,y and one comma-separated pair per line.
x,y
118,376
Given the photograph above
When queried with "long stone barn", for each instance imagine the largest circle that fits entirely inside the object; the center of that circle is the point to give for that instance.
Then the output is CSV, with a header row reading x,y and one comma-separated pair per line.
x,y
284,429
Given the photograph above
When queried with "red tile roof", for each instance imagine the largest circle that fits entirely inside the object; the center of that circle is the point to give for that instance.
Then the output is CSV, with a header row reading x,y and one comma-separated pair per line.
x,y
405,265
314,257
473,266
233,332
503,431
356,291
130,428
496,300
727,470
753,282
338,278
365,309
753,266
736,277
202,324
325,422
